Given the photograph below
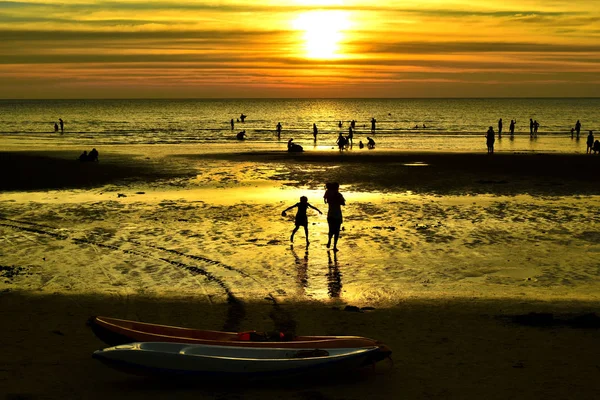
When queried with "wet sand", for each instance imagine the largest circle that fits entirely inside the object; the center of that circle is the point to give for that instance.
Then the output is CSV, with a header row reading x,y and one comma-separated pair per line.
x,y
446,249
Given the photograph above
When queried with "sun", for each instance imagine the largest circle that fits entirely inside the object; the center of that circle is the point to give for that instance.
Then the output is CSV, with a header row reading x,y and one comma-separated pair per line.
x,y
323,33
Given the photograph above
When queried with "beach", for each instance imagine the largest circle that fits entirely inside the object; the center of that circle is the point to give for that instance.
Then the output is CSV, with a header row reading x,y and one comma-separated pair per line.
x,y
443,257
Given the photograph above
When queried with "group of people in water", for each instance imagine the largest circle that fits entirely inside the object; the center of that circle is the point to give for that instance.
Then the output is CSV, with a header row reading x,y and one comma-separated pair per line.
x,y
335,200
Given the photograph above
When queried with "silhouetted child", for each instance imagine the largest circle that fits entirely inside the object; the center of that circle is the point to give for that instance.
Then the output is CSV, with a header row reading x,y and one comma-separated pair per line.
x,y
590,143
55,127
596,147
301,217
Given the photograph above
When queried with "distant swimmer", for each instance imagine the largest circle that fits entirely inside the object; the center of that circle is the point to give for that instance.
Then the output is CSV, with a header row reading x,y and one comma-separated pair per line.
x,y
278,128
243,117
232,124
424,126
370,143
416,127
62,125
241,135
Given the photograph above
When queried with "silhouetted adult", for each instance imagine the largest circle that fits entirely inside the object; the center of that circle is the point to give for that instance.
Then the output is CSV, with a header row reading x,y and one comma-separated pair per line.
x,y
577,128
373,122
84,156
370,143
341,142
499,128
232,124
293,147
512,127
241,135
340,124
590,143
353,124
490,139
62,125
315,131
335,200
279,130
350,136
530,127
93,155
243,117
536,125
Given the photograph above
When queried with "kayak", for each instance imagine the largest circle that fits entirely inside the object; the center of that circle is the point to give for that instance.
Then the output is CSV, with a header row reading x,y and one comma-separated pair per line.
x,y
115,331
164,358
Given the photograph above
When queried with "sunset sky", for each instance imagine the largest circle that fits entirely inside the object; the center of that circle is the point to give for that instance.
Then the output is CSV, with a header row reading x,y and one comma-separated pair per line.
x,y
268,48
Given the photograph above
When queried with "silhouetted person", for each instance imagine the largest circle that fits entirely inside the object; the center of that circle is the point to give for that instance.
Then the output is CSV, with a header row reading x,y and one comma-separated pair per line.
x,y
512,127
590,143
370,143
243,117
340,124
93,155
84,156
278,130
577,128
490,139
572,132
341,141
55,127
293,147
424,127
530,127
596,147
350,136
62,125
301,217
335,200
353,124
373,122
315,131
241,135
232,124
536,125
361,144
499,128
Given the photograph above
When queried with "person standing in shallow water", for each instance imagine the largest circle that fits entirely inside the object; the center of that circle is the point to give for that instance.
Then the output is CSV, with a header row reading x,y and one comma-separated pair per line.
x,y
278,128
62,125
335,200
530,127
590,143
301,217
500,128
315,131
490,139
511,128
577,128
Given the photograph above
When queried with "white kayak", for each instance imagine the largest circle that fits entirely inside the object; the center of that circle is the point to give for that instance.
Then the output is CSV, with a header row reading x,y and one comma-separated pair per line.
x,y
197,359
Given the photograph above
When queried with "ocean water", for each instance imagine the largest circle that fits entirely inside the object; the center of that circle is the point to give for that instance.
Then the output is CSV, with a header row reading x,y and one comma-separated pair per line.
x,y
450,124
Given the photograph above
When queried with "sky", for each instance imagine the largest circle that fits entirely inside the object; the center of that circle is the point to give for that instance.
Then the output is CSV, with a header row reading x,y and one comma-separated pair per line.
x,y
288,49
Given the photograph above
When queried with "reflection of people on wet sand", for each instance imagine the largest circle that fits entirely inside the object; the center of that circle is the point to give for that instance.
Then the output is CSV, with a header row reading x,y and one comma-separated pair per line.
x,y
302,269
301,217
334,277
293,147
335,200
370,143
241,135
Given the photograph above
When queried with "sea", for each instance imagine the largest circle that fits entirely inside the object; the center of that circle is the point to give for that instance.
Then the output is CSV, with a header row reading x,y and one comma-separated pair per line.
x,y
401,124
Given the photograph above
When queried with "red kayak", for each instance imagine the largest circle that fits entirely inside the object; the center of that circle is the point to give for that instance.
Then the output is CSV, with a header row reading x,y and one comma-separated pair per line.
x,y
115,331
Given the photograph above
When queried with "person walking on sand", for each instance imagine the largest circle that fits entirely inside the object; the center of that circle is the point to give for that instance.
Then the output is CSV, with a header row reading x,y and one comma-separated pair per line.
x,y
315,131
301,217
335,200
278,128
590,143
490,139
577,128
500,128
